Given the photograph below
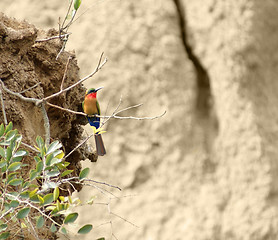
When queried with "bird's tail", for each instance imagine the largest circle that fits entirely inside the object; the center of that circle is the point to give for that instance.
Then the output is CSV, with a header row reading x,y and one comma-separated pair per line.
x,y
99,145
95,121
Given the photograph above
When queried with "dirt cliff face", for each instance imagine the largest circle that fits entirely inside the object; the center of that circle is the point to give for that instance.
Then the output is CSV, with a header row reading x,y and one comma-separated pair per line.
x,y
207,170
25,64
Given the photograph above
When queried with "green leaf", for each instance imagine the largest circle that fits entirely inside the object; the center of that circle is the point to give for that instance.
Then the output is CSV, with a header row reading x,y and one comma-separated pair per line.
x,y
2,152
15,182
33,174
101,238
2,129
48,198
14,166
37,159
10,135
40,222
91,201
3,163
60,154
66,173
39,167
8,153
35,199
32,193
23,225
85,229
64,231
49,185
55,161
70,218
4,168
14,204
53,228
4,235
41,199
9,127
53,173
40,142
17,159
20,153
23,213
3,227
18,138
76,4
84,173
48,159
12,176
56,193
53,147
59,205
66,164
12,195
24,194
26,184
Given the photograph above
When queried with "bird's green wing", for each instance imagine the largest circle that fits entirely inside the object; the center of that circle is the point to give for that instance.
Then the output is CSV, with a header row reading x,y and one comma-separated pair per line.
x,y
98,108
83,106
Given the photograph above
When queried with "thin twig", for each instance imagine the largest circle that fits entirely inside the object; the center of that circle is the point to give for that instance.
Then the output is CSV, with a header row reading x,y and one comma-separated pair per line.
x,y
103,183
125,109
52,38
66,109
3,109
65,39
27,145
135,118
33,229
114,112
80,144
26,99
124,219
28,89
99,66
37,102
65,73
46,124
66,16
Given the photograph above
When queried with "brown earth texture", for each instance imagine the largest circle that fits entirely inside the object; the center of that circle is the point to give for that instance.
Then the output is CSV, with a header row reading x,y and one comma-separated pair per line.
x,y
207,169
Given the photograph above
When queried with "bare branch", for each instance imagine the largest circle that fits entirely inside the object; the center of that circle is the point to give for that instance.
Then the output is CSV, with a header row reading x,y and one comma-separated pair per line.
x,y
65,73
46,124
125,109
124,219
80,144
28,89
66,16
27,145
37,102
65,39
114,112
103,183
26,99
66,109
3,109
99,66
52,38
135,118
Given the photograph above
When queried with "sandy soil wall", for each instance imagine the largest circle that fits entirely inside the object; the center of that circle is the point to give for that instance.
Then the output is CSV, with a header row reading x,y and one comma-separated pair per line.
x,y
208,169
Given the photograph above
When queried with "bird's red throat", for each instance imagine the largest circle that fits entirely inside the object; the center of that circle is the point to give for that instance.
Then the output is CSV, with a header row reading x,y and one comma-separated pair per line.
x,y
92,95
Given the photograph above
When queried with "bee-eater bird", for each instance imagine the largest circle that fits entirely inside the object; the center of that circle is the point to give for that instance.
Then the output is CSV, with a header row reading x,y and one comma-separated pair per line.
x,y
90,106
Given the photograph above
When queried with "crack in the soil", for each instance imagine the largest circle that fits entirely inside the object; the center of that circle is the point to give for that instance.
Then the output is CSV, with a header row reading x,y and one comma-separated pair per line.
x,y
203,83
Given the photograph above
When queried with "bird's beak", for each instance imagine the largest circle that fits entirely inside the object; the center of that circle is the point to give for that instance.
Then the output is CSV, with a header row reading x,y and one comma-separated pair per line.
x,y
98,89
